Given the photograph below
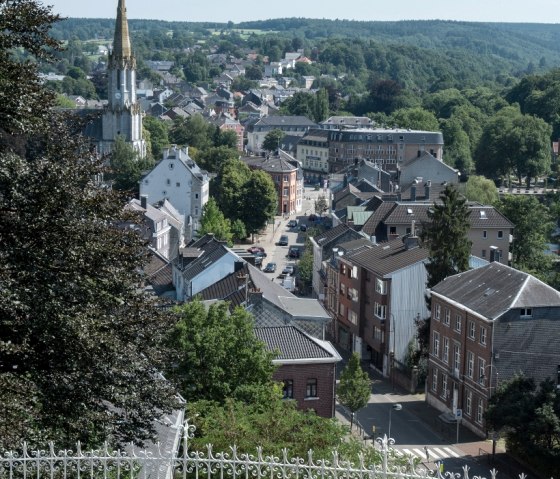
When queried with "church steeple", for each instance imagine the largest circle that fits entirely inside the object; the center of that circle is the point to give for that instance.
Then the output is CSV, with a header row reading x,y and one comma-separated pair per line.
x,y
121,43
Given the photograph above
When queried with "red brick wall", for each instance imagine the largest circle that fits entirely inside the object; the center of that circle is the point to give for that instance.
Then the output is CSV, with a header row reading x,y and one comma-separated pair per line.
x,y
299,373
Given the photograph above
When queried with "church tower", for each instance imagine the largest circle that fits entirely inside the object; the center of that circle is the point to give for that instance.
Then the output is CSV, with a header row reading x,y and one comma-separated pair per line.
x,y
122,116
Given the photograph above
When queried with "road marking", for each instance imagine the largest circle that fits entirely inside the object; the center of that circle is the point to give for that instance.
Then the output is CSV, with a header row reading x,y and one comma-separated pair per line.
x,y
452,452
408,452
438,452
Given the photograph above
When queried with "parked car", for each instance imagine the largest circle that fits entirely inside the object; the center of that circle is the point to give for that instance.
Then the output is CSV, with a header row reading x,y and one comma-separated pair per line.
x,y
283,241
292,223
288,270
260,254
294,252
303,228
270,268
255,249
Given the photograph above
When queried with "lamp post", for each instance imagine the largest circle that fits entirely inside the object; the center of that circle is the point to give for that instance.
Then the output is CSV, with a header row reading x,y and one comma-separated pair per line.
x,y
396,407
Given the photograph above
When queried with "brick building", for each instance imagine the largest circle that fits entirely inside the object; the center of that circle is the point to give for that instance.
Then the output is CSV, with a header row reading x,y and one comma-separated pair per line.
x,y
488,324
306,367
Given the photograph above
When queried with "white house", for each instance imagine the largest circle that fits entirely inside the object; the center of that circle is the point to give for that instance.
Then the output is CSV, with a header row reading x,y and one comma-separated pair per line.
x,y
178,179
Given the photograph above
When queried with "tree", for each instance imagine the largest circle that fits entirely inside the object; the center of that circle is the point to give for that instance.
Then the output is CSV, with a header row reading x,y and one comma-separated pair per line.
x,y
272,140
354,388
533,225
218,354
238,230
305,270
213,221
321,205
126,166
259,190
445,236
228,188
415,119
213,158
482,190
159,137
81,343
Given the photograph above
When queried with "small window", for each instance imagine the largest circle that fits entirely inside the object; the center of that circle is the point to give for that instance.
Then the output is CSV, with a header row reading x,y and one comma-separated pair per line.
x,y
435,348
380,286
434,379
500,234
447,317
196,196
469,403
458,323
485,234
479,412
311,389
380,310
438,312
288,389
445,350
470,364
171,166
168,181
483,335
526,313
472,329
177,184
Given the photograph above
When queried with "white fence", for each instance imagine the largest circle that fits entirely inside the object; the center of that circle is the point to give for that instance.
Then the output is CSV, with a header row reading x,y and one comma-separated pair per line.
x,y
140,464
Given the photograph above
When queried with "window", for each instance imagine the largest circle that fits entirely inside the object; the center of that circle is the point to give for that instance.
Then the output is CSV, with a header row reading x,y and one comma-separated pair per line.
x,y
354,272
447,317
483,335
470,364
434,379
288,389
380,310
196,196
171,166
177,184
285,177
445,350
456,357
479,412
168,181
469,403
485,234
311,389
380,286
483,253
342,310
526,313
438,311
343,289
435,349
444,387
352,317
471,329
500,234
353,294
378,334
481,370
285,192
458,323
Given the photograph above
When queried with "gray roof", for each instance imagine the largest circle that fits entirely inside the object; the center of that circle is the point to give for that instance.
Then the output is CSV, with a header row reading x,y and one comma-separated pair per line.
x,y
282,121
389,257
488,217
293,344
333,234
387,135
491,290
303,308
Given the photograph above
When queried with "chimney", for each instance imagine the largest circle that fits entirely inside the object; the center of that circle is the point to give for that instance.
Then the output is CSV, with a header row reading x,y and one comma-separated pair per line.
x,y
144,201
373,239
413,190
494,254
427,188
410,242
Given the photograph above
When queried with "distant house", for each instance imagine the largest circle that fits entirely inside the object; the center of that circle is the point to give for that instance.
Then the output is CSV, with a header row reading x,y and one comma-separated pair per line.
x,y
425,165
178,179
488,324
346,122
306,367
313,152
227,123
291,125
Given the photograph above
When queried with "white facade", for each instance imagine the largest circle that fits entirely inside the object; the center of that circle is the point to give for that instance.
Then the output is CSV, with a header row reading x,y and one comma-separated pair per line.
x,y
178,179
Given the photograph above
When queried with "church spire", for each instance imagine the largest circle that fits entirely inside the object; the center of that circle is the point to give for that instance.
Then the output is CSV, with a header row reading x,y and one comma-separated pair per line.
x,y
121,43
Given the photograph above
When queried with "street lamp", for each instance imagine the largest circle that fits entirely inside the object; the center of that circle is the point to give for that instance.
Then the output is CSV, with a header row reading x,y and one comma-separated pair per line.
x,y
396,407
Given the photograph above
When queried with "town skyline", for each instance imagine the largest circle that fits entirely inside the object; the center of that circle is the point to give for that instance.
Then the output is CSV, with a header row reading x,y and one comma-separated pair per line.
x,y
514,11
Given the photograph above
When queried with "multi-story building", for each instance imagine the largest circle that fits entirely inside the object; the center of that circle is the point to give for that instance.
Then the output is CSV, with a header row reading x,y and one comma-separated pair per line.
x,y
228,123
287,176
488,324
178,179
346,122
313,153
389,148
290,125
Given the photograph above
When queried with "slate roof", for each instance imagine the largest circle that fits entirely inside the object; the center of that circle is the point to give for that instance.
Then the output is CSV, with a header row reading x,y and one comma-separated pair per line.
x,y
210,251
293,344
280,120
159,273
331,235
370,226
493,289
403,213
488,216
386,258
273,164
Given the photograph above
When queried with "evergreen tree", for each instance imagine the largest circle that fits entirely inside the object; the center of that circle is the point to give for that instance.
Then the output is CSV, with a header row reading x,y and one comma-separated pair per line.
x,y
354,388
445,235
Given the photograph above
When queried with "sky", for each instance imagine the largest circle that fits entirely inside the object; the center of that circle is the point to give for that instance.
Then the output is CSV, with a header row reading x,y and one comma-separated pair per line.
x,y
536,11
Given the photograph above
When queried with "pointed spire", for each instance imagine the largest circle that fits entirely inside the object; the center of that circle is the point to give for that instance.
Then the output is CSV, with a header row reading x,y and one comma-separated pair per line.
x,y
121,43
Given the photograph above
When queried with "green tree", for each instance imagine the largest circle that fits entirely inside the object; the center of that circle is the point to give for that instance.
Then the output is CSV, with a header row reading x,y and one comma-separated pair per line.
x,y
482,190
259,190
445,236
533,225
213,221
238,230
81,344
159,137
126,166
228,188
457,151
415,119
321,204
218,354
272,140
354,388
305,271
213,158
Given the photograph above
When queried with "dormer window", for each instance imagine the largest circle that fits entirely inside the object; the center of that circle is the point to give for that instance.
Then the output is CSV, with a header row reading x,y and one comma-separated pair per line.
x,y
526,313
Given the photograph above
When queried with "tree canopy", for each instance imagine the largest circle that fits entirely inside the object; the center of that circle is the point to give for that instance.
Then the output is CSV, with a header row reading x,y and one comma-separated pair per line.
x,y
213,221
354,388
272,140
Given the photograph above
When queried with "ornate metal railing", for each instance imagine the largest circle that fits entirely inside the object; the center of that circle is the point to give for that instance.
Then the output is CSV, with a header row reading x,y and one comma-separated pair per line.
x,y
134,463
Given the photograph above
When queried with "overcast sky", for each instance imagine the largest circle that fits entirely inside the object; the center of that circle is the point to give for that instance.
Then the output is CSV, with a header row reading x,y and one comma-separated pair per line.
x,y
538,11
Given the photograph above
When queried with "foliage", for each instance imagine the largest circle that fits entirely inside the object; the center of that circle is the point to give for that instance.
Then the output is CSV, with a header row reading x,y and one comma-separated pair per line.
x,y
321,205
415,118
218,354
213,221
312,105
238,230
445,235
194,131
533,225
81,343
481,190
213,158
272,139
305,271
274,425
354,388
159,136
530,419
126,166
